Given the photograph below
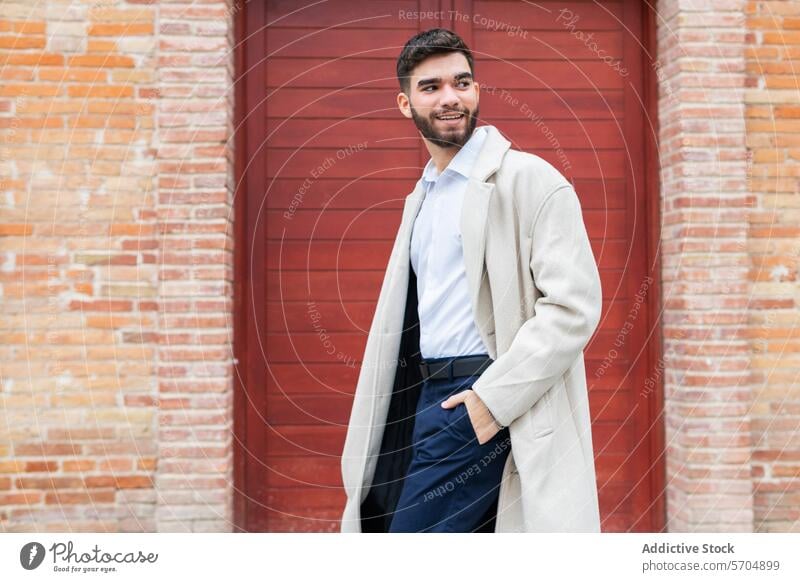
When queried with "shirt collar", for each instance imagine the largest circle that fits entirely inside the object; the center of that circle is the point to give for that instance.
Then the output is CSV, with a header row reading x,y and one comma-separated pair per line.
x,y
463,162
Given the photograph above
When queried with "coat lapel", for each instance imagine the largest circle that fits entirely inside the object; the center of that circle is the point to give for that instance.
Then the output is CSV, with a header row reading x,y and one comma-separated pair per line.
x,y
474,222
413,204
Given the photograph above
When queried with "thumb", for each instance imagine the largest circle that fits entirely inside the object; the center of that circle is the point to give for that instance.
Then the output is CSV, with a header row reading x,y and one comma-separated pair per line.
x,y
455,399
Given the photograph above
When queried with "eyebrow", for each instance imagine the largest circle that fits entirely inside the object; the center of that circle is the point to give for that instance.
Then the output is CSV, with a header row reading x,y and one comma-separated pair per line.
x,y
429,80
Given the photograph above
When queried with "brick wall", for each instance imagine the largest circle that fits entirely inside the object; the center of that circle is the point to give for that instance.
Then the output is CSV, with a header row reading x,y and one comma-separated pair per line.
x,y
729,104
115,265
773,120
706,267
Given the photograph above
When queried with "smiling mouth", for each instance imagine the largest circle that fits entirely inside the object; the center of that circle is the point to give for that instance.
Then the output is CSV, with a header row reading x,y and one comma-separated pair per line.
x,y
450,118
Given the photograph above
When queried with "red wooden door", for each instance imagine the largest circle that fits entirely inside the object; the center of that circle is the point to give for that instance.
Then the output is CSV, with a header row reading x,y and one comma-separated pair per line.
x,y
324,161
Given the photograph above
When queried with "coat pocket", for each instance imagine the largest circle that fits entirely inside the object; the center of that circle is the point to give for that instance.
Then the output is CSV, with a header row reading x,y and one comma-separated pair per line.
x,y
540,416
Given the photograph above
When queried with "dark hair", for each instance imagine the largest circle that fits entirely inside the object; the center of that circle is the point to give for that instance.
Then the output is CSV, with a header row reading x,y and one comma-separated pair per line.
x,y
430,42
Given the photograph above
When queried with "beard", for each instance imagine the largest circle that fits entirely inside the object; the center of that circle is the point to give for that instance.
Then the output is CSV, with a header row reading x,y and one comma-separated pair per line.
x,y
448,137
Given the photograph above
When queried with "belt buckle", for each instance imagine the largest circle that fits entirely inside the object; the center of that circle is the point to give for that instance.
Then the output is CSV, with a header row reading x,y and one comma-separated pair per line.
x,y
433,370
448,366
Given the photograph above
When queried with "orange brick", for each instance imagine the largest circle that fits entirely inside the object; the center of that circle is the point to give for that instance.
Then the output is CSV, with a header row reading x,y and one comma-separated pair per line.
x,y
32,59
786,471
781,81
79,465
781,38
115,465
99,482
21,498
101,305
146,464
52,122
100,46
134,482
29,90
114,91
72,498
133,29
9,74
83,75
99,121
105,13
22,42
39,466
47,483
767,22
791,111
769,156
761,52
11,466
15,229
29,27
135,229
101,61
110,321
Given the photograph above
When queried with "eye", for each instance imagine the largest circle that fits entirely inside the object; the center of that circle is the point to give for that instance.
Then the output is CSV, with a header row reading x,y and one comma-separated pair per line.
x,y
464,82
425,89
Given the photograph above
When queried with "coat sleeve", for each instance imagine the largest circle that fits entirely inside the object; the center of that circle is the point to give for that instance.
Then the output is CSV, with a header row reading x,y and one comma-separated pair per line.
x,y
565,316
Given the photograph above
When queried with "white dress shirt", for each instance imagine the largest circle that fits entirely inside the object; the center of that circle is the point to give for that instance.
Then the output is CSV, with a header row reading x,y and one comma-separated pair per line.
x,y
447,321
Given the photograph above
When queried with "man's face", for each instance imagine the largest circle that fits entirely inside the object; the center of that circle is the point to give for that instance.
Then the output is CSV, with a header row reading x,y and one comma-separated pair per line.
x,y
440,87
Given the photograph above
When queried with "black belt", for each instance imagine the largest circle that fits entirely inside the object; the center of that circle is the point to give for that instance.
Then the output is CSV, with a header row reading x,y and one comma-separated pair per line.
x,y
457,367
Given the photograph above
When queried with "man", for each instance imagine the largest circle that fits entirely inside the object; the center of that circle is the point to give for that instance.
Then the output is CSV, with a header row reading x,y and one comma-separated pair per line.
x,y
471,410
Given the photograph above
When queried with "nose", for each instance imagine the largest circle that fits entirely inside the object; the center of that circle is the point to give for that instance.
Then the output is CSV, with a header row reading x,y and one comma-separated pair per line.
x,y
450,98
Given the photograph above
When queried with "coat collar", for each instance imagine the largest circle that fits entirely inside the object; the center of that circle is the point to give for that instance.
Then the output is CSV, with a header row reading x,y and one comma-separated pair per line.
x,y
473,221
491,154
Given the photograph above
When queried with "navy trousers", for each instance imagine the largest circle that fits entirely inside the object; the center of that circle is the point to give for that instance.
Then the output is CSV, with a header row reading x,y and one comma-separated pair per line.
x,y
452,480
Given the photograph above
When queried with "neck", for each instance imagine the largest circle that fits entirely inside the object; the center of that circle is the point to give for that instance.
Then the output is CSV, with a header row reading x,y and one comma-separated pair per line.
x,y
441,156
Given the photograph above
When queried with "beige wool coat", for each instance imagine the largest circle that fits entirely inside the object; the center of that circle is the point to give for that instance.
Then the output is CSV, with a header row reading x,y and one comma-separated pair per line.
x,y
536,297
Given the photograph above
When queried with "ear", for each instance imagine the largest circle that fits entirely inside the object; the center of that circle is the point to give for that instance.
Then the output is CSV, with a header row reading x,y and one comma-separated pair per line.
x,y
404,104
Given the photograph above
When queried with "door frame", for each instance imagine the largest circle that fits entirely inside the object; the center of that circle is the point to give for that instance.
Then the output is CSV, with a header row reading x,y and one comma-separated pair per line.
x,y
250,176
